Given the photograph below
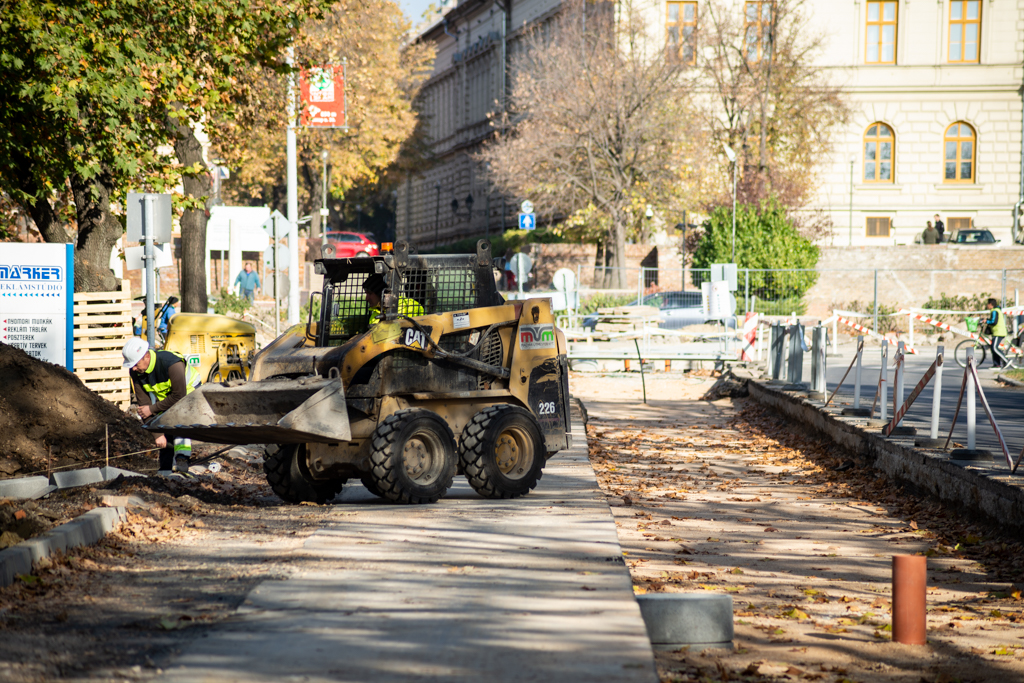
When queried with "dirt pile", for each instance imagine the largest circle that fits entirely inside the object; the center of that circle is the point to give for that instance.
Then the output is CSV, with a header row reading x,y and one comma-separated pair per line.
x,y
43,406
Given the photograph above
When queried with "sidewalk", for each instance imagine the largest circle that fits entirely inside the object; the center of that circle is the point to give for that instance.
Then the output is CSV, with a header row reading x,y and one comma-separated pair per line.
x,y
469,589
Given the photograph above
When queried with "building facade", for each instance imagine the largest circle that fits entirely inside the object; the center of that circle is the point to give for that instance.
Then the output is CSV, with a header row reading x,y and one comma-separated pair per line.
x,y
935,86
452,199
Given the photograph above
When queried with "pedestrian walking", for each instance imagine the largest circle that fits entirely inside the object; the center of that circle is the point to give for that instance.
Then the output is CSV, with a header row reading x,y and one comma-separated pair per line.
x,y
940,227
160,379
248,282
996,322
930,235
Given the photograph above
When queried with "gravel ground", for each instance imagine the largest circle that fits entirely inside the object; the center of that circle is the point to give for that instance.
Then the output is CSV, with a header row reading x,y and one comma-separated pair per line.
x,y
724,496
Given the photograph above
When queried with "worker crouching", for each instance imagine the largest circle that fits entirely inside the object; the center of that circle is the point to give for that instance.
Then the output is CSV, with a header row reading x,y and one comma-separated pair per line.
x,y
160,379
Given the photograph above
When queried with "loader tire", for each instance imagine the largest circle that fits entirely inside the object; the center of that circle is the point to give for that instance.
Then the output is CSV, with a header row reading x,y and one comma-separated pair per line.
x,y
371,486
413,457
502,452
288,477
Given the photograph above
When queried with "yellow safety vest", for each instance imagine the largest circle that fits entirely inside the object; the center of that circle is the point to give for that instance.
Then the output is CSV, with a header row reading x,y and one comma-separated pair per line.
x,y
156,380
409,307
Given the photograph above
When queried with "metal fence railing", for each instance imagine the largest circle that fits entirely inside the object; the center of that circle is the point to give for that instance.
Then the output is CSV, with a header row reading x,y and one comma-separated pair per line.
x,y
878,292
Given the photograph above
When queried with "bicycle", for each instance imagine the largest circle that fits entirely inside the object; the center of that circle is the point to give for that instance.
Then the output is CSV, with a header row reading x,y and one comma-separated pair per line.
x,y
981,349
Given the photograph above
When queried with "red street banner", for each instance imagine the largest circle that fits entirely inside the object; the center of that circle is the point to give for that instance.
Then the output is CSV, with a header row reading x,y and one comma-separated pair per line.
x,y
323,96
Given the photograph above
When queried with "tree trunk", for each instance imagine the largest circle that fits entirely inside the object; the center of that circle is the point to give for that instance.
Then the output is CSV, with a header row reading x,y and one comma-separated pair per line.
x,y
619,253
193,221
98,232
43,214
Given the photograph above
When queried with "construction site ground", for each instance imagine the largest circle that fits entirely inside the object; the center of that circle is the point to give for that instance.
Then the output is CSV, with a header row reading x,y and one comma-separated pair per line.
x,y
724,496
717,496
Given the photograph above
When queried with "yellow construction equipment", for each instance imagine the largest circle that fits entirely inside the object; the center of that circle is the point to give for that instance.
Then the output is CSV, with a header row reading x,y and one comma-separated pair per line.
x,y
444,377
219,347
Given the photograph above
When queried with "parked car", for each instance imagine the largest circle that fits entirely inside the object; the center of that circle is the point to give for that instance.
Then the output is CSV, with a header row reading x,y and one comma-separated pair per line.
x,y
972,236
350,244
677,310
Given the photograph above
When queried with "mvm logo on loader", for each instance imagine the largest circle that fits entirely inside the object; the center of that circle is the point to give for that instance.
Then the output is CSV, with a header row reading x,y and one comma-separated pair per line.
x,y
537,336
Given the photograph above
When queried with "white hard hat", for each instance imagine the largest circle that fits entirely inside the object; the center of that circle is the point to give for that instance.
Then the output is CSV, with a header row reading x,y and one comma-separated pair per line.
x,y
134,350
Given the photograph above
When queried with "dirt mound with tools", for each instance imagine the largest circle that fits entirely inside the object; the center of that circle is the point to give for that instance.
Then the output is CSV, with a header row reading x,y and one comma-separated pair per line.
x,y
46,413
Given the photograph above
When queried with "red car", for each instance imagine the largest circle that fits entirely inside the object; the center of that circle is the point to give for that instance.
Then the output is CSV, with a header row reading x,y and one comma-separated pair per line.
x,y
349,244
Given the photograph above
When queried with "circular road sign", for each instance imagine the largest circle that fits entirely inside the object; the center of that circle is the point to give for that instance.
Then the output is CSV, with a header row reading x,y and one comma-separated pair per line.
x,y
526,206
521,263
565,280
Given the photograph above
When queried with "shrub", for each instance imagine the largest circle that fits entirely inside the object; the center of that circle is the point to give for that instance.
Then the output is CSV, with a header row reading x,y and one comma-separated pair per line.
x,y
229,302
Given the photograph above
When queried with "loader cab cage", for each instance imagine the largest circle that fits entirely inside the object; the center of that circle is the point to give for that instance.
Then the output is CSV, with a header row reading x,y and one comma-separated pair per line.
x,y
439,284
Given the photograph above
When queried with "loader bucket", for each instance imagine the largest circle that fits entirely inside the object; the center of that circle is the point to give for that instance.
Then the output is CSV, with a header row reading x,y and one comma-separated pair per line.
x,y
282,411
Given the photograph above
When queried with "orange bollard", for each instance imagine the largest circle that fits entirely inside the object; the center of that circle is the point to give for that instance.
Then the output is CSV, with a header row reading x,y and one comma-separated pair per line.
x,y
909,587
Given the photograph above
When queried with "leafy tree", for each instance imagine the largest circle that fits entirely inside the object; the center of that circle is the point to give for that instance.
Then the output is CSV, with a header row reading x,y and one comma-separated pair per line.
x,y
769,101
766,240
383,77
600,126
96,87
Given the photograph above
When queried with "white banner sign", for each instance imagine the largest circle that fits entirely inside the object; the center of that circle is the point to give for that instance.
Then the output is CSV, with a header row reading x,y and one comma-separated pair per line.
x,y
37,283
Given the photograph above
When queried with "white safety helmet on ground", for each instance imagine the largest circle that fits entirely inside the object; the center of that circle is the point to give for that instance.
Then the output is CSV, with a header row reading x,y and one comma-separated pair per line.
x,y
133,351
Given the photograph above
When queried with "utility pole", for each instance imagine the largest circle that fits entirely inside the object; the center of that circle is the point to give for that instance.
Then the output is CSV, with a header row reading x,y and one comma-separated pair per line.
x,y
732,157
293,200
853,160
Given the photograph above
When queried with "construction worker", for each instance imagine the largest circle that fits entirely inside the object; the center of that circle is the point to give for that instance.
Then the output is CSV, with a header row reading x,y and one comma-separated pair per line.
x,y
996,322
161,379
374,287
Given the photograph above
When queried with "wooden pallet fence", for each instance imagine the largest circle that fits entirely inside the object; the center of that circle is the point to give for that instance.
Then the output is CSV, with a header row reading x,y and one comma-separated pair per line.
x,y
103,323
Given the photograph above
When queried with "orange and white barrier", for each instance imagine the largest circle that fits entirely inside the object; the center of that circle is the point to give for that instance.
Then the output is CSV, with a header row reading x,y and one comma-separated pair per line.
x,y
950,328
749,336
871,333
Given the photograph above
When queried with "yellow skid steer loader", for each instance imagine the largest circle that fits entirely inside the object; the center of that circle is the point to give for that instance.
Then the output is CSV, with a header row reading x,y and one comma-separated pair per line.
x,y
444,377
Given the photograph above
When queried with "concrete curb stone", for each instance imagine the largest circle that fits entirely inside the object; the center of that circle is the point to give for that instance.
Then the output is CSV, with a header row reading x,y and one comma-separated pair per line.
x,y
1007,380
695,620
85,529
72,478
23,487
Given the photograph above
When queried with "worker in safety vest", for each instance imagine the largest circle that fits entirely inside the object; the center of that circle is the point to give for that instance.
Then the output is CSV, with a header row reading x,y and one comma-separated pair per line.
x,y
996,322
161,379
373,287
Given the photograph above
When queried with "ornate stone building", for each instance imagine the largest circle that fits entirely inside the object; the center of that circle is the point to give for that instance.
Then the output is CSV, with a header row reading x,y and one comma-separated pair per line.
x,y
936,87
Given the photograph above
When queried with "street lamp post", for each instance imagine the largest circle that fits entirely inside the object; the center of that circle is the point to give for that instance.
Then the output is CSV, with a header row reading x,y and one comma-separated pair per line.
x,y
853,160
323,206
732,158
359,218
437,213
487,199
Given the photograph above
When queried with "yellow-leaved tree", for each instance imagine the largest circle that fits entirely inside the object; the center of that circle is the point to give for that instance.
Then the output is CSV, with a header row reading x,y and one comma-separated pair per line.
x,y
383,76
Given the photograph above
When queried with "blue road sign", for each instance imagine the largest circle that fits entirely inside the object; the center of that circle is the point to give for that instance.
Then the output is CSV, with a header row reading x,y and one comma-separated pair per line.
x,y
527,221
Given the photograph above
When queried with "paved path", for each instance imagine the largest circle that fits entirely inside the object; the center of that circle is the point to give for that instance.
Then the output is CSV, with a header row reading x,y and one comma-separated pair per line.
x,y
466,590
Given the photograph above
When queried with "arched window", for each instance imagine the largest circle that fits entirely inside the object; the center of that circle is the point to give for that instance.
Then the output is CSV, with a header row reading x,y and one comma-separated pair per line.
x,y
959,145
879,151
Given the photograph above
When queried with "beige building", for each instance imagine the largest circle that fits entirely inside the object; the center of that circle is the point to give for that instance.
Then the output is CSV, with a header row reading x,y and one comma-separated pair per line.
x,y
936,87
936,91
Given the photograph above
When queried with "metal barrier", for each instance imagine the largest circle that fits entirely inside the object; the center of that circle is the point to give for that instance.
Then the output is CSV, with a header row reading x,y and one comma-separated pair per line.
x,y
970,385
900,407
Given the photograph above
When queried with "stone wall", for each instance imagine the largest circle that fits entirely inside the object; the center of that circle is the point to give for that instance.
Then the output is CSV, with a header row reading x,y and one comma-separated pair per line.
x,y
910,275
580,258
